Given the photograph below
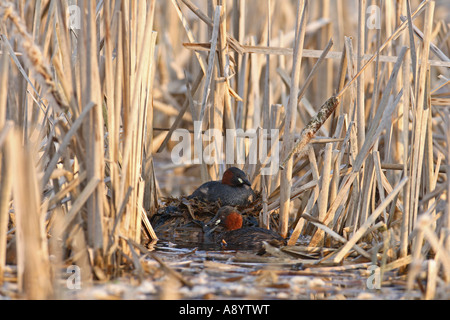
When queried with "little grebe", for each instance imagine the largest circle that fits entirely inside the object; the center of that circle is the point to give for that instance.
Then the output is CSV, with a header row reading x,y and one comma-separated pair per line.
x,y
238,238
233,190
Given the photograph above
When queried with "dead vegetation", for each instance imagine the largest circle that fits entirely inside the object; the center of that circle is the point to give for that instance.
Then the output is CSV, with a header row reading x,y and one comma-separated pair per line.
x,y
91,93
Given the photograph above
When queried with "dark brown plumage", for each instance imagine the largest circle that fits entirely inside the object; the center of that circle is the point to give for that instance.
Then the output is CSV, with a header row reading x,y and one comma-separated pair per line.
x,y
233,190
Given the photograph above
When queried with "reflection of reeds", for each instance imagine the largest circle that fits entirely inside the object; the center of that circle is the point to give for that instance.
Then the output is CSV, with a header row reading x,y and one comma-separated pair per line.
x,y
77,140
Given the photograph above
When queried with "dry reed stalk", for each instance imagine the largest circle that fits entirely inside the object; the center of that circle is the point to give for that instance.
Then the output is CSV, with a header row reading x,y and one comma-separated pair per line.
x,y
5,195
447,217
420,116
431,280
224,68
242,81
291,116
5,175
145,151
325,180
92,128
406,73
367,185
211,58
209,88
112,114
378,175
276,122
341,74
253,103
239,23
325,78
360,108
353,197
267,83
351,70
324,187
34,271
313,196
216,112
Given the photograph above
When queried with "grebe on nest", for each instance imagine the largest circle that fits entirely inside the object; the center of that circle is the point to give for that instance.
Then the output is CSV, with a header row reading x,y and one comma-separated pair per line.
x,y
241,238
233,190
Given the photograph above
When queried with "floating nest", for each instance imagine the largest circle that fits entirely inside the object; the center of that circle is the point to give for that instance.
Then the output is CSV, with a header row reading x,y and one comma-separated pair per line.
x,y
178,219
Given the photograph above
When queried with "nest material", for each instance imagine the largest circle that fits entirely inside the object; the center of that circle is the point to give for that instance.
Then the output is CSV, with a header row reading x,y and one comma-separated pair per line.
x,y
176,220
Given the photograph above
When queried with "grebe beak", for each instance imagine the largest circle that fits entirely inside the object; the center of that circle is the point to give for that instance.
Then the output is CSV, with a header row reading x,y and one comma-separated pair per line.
x,y
214,223
244,181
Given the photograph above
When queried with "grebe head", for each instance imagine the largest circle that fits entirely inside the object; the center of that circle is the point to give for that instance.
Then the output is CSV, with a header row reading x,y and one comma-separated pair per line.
x,y
228,217
235,177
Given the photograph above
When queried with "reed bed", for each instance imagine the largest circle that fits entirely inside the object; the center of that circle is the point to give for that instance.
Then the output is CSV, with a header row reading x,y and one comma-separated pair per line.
x,y
93,92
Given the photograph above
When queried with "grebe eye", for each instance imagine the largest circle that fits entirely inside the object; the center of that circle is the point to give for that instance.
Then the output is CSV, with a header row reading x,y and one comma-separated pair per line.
x,y
240,180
